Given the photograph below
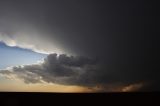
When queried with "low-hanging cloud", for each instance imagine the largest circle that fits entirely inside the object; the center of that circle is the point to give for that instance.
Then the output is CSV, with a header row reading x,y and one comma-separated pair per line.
x,y
81,71
60,69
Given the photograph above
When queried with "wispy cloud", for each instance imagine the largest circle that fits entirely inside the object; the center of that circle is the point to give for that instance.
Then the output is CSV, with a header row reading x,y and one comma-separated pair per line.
x,y
34,43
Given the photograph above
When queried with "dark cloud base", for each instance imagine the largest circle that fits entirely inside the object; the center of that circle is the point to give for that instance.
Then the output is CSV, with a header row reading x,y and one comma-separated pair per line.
x,y
81,71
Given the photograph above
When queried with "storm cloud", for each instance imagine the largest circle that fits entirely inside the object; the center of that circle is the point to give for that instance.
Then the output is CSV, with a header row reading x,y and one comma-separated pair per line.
x,y
60,69
111,41
77,70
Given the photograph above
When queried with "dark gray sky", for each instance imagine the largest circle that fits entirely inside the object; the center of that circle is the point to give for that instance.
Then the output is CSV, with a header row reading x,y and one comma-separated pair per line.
x,y
121,35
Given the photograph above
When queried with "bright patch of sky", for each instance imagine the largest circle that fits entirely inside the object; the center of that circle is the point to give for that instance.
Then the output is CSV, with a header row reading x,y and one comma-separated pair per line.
x,y
14,56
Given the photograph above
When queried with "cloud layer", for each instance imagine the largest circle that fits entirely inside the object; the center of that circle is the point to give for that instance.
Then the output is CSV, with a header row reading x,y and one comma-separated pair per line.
x,y
34,43
60,69
80,71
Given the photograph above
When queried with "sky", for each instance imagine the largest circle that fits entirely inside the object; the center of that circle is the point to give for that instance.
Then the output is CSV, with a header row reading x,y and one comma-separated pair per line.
x,y
14,56
83,45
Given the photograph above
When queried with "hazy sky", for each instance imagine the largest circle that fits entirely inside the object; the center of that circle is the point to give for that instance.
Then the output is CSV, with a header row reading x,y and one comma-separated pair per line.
x,y
94,45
